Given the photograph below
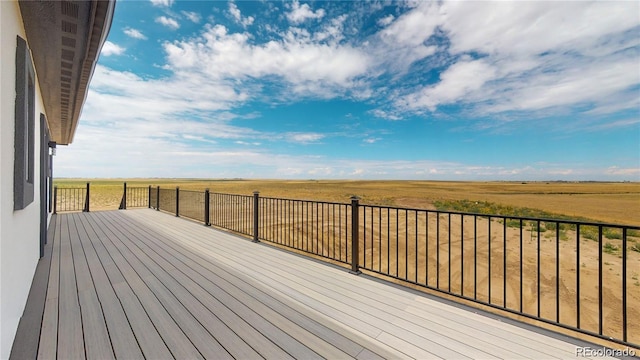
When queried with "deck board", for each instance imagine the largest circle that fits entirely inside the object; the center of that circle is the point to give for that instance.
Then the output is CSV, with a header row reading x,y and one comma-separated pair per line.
x,y
71,345
340,301
96,337
123,341
285,325
48,334
312,335
240,318
264,337
341,305
134,284
141,298
499,342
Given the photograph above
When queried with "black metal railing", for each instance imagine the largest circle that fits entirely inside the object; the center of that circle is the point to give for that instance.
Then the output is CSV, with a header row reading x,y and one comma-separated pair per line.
x,y
232,212
134,197
577,275
71,199
167,200
315,227
154,197
556,271
192,205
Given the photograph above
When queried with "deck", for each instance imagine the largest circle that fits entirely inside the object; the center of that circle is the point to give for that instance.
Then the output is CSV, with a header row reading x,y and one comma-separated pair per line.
x,y
143,284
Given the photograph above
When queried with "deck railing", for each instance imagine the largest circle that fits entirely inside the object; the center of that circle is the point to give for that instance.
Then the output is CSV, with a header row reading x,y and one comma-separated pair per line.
x,y
577,275
71,199
232,212
134,197
316,227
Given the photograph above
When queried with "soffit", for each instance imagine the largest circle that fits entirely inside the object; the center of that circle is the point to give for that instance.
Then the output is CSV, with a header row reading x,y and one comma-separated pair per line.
x,y
65,38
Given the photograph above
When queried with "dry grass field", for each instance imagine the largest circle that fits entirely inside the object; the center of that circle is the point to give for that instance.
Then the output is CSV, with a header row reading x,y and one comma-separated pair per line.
x,y
605,202
466,264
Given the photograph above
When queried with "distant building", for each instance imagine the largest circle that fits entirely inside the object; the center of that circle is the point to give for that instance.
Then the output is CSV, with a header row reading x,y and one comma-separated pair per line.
x,y
49,52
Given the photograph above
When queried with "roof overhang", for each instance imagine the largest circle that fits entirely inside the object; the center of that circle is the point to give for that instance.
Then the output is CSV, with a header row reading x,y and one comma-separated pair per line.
x,y
65,38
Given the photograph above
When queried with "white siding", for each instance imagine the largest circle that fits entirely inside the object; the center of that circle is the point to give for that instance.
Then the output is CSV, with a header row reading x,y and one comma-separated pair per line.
x,y
19,230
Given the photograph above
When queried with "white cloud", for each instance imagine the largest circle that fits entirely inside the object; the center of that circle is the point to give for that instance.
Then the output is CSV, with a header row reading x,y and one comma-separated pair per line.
x,y
333,31
162,3
304,138
198,138
614,125
614,170
126,97
237,16
533,55
456,83
192,16
157,156
532,28
386,20
301,13
309,66
323,171
403,41
168,22
134,33
385,115
110,48
255,143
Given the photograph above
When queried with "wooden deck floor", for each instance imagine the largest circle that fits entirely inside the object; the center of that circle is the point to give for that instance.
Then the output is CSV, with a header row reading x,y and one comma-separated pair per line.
x,y
142,284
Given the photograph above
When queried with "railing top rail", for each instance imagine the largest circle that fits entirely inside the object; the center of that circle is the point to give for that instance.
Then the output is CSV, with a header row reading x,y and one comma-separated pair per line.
x,y
242,195
191,191
510,217
305,200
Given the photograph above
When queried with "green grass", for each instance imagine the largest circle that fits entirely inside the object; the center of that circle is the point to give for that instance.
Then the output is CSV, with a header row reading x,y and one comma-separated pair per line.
x,y
489,208
610,248
610,233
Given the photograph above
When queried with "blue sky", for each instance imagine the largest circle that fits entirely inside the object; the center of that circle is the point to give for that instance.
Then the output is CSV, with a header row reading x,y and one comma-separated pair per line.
x,y
364,90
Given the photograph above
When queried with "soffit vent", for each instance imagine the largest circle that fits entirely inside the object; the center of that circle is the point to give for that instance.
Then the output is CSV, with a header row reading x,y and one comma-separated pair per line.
x,y
68,42
69,27
69,9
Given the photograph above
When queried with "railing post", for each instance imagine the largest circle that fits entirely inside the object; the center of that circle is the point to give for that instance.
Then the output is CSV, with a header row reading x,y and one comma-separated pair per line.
x,y
256,213
55,199
355,236
158,198
86,200
177,201
206,208
123,202
149,197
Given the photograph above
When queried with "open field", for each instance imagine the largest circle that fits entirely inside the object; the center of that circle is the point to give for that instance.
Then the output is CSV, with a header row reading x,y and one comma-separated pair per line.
x,y
606,202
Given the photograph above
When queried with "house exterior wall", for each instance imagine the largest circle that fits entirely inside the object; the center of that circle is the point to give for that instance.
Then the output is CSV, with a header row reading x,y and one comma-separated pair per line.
x,y
19,230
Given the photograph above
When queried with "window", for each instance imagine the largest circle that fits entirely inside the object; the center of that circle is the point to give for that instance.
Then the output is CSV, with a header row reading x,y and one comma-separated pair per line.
x,y
24,139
